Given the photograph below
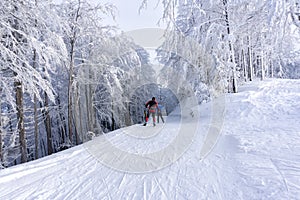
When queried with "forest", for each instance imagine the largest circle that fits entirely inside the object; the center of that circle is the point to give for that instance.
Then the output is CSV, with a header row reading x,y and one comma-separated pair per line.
x,y
67,76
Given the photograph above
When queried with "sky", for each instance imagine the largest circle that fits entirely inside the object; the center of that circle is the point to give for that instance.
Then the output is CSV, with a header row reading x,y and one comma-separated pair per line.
x,y
142,26
128,17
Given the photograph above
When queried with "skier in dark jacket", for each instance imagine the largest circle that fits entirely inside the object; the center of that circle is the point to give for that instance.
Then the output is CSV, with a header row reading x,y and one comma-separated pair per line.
x,y
151,106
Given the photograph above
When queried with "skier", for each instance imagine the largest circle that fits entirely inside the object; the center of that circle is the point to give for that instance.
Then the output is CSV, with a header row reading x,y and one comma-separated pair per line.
x,y
151,106
159,114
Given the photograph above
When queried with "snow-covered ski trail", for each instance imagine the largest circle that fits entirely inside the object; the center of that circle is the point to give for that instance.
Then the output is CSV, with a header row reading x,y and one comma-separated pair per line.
x,y
256,156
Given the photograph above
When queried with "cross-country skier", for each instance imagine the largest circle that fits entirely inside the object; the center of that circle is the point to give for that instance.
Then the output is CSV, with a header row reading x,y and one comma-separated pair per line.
x,y
151,105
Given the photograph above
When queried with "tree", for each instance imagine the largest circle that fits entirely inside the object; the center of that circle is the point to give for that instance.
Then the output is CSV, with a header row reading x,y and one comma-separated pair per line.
x,y
24,53
36,67
295,12
78,15
1,142
245,38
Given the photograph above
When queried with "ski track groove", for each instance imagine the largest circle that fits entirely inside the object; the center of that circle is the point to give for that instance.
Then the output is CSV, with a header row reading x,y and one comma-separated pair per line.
x,y
281,175
29,184
85,183
65,177
122,180
145,192
106,186
163,191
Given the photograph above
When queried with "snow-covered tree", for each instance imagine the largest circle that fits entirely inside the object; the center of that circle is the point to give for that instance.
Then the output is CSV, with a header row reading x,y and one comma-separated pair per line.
x,y
295,12
35,46
65,75
81,19
25,49
116,72
246,39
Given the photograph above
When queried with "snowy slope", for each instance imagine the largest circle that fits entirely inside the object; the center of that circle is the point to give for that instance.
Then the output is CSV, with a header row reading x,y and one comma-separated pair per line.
x,y
257,155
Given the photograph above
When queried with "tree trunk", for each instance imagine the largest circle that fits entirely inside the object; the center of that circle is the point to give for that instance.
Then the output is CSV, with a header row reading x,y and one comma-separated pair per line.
x,y
113,125
91,116
70,93
62,123
70,118
262,60
20,117
245,65
36,134
267,66
48,125
1,156
77,116
271,69
71,75
82,120
88,105
35,115
231,50
43,148
250,60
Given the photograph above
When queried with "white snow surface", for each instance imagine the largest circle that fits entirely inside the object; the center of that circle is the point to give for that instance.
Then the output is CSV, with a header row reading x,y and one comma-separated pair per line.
x,y
255,155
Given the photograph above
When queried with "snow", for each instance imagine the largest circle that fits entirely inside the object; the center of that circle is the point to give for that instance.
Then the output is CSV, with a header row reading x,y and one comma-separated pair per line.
x,y
246,146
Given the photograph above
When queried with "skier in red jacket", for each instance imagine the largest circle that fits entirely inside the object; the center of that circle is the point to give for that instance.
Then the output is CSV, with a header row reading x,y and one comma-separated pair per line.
x,y
151,106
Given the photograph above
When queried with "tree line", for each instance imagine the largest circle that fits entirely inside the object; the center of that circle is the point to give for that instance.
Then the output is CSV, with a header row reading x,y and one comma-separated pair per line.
x,y
64,76
218,45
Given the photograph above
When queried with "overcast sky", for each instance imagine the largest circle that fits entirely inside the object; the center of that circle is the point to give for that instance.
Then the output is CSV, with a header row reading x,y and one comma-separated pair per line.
x,y
128,17
132,22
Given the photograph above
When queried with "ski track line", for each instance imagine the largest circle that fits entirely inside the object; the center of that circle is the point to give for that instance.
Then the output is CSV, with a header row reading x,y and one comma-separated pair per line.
x,y
27,169
153,188
29,187
83,167
84,183
281,175
217,169
289,168
50,182
145,190
21,186
105,184
161,188
121,181
220,192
